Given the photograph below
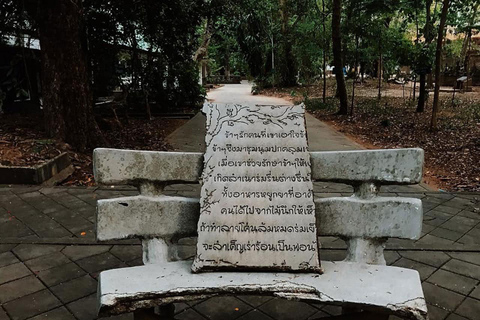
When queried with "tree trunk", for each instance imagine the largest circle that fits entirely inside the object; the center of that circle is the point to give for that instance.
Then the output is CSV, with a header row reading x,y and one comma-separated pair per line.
x,y
66,91
438,59
324,92
287,68
355,74
423,90
422,93
337,56
202,50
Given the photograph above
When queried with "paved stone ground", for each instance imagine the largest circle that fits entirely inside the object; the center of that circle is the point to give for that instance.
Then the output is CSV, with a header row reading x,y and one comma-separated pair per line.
x,y
49,260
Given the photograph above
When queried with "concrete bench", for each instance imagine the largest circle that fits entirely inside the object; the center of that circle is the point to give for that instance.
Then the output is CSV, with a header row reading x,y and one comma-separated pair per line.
x,y
364,220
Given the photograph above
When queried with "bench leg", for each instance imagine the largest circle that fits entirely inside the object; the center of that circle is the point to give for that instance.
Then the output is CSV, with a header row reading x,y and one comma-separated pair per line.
x,y
166,312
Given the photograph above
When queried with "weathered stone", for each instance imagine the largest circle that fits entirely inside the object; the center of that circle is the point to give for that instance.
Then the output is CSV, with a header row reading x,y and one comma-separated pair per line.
x,y
80,252
56,314
75,289
60,274
257,209
452,281
146,217
31,305
393,290
19,288
13,272
402,166
112,166
379,217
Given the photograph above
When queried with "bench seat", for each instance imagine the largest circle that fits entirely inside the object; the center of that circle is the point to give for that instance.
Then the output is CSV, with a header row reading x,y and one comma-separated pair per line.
x,y
389,290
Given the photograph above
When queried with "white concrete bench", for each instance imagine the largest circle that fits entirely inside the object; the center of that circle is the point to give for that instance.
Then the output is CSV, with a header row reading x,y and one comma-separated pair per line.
x,y
364,220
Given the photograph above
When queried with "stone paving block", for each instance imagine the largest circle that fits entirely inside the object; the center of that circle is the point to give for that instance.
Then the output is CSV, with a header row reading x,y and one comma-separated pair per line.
x,y
127,253
19,288
440,297
3,314
6,247
432,258
61,274
40,222
458,202
447,209
137,262
472,237
463,268
426,228
332,310
31,251
85,308
31,305
58,232
391,257
87,211
79,252
431,199
469,214
7,258
454,316
255,315
126,316
452,281
282,309
189,314
75,289
470,308
86,233
472,257
180,307
47,262
441,195
436,313
424,270
56,314
433,220
431,240
255,301
70,219
476,293
460,224
13,272
446,234
14,228
321,314
219,308
99,262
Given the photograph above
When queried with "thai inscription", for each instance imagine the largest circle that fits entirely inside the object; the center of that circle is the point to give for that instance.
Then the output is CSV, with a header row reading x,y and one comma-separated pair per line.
x,y
257,209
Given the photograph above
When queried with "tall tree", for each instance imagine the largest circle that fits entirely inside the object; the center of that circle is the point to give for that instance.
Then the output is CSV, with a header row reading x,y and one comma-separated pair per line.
x,y
67,98
438,59
424,57
337,56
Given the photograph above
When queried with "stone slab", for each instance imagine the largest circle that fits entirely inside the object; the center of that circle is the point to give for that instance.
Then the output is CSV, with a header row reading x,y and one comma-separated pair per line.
x,y
393,290
398,166
114,166
379,217
256,206
146,217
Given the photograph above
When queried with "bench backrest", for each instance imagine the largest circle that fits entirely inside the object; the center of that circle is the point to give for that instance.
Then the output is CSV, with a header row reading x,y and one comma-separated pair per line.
x,y
365,220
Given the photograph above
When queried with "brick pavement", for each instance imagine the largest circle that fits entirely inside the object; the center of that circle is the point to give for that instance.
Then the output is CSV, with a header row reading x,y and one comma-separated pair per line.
x,y
49,260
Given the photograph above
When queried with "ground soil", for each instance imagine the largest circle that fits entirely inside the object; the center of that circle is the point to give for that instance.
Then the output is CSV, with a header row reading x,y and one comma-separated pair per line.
x,y
452,153
23,141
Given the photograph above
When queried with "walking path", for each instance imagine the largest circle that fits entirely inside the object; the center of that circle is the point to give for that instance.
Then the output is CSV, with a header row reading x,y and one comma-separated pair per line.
x,y
191,136
50,260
